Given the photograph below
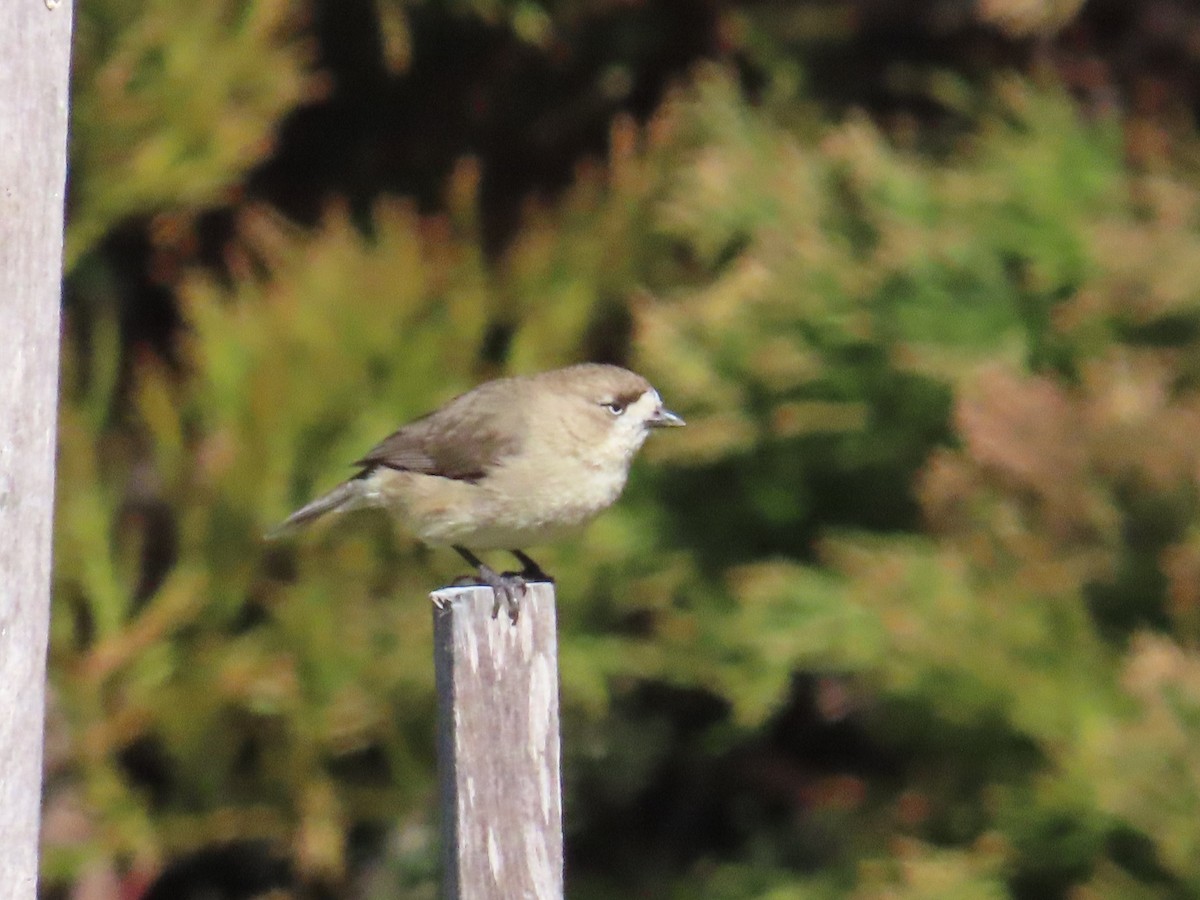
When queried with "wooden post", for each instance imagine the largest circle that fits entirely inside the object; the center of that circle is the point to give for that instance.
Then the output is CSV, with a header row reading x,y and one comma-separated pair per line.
x,y
498,746
36,35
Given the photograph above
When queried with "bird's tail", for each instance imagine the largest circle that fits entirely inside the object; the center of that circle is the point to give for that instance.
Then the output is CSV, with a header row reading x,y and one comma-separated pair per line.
x,y
346,495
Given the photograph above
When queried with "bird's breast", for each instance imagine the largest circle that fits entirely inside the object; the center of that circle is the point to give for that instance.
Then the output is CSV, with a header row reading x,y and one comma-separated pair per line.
x,y
559,492
525,504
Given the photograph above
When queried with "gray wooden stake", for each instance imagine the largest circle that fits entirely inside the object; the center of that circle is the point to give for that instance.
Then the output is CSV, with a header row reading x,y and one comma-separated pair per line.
x,y
36,35
498,746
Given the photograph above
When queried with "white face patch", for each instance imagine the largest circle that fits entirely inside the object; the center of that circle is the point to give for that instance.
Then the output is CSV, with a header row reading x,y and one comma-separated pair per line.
x,y
644,407
630,429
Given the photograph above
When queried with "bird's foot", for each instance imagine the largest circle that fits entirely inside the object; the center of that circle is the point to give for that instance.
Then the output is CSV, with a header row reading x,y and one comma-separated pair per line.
x,y
530,570
536,574
508,589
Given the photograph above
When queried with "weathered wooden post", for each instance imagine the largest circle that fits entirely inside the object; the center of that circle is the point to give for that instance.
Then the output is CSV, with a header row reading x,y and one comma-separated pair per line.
x,y
36,35
498,746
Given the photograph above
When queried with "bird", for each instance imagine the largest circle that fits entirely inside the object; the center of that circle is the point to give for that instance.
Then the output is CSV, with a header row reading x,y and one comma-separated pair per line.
x,y
512,463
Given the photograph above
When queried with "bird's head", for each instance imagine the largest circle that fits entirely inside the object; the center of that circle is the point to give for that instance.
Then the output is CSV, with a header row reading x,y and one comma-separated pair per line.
x,y
614,409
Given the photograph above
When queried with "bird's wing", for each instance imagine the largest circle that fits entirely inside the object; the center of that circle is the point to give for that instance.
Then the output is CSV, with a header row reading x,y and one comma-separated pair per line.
x,y
463,440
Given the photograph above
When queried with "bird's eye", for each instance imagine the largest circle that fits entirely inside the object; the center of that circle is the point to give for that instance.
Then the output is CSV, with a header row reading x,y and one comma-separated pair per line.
x,y
616,407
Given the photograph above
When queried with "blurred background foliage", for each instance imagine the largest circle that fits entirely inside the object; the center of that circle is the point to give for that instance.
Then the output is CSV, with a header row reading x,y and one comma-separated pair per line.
x,y
910,610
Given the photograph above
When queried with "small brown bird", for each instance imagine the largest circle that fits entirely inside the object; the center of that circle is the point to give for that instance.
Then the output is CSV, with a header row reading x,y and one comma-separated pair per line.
x,y
512,463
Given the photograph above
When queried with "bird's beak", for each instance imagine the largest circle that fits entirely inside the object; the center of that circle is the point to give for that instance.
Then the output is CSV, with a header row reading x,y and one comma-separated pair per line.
x,y
664,418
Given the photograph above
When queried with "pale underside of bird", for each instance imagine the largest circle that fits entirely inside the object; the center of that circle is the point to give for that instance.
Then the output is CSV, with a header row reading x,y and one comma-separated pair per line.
x,y
514,463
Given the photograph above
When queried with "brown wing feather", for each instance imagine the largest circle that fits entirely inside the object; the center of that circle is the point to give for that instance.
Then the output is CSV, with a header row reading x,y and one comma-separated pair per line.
x,y
462,440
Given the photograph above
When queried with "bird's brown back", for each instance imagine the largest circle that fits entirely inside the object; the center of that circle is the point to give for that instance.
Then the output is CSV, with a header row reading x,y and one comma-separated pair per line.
x,y
462,440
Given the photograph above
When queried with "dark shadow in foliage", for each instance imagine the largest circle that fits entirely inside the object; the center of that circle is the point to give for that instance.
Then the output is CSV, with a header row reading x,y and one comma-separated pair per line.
x,y
146,763
698,804
1135,853
234,871
1136,595
527,113
680,813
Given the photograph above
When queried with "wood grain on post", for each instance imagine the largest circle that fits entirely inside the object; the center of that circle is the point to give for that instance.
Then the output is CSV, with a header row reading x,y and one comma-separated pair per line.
x,y
498,746
33,141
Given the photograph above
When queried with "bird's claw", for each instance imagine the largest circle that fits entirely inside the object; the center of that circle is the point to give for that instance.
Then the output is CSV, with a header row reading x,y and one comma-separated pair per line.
x,y
511,592
530,570
536,574
508,589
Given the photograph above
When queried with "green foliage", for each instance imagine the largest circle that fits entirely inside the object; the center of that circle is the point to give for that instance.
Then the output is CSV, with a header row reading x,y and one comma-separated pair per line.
x,y
1061,522
172,104
941,461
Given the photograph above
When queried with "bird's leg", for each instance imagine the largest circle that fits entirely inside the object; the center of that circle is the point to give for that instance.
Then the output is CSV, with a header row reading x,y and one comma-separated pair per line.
x,y
507,588
531,571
